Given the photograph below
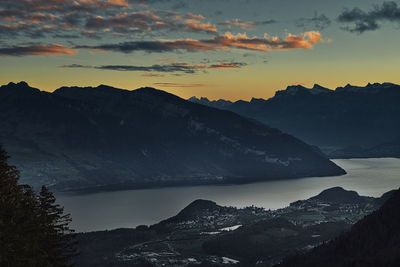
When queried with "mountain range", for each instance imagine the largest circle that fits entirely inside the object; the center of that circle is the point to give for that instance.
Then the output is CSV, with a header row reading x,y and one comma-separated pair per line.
x,y
104,138
349,121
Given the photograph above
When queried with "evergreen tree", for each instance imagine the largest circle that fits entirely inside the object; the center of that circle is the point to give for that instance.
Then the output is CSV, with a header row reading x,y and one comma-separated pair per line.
x,y
57,236
33,229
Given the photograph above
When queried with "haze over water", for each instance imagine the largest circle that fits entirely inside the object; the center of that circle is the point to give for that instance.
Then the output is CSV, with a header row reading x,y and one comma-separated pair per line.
x,y
127,209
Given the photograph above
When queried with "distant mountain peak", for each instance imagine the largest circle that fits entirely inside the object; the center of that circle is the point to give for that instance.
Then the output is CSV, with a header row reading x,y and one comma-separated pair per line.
x,y
295,87
379,85
293,90
107,87
21,84
319,87
20,87
213,103
369,88
257,100
193,99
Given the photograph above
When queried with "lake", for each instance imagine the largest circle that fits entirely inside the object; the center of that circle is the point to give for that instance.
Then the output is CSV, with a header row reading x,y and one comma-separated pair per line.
x,y
127,209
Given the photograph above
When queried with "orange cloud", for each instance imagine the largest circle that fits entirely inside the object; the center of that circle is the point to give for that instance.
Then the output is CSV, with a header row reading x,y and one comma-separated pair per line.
x,y
304,41
123,3
88,2
49,50
196,25
222,42
194,16
241,41
37,18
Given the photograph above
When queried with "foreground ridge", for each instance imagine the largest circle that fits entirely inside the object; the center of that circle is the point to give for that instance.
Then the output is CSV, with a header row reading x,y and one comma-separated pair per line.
x,y
373,241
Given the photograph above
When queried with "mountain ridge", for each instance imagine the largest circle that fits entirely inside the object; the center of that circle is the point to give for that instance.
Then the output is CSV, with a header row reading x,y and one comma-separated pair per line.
x,y
84,138
335,120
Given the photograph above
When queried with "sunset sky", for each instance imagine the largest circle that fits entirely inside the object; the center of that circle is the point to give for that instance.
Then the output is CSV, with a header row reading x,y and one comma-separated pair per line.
x,y
231,49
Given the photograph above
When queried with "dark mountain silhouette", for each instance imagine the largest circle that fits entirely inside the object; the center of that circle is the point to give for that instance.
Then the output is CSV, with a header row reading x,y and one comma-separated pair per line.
x,y
107,138
373,241
193,209
339,195
350,121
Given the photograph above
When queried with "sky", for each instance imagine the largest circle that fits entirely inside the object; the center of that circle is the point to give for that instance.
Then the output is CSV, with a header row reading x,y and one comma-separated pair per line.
x,y
231,49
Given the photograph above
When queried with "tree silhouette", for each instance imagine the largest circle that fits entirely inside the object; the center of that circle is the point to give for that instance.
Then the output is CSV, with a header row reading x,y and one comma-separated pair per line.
x,y
57,236
34,231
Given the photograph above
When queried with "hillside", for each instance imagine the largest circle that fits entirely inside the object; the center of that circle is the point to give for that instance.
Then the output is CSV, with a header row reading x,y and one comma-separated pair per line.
x,y
97,138
373,241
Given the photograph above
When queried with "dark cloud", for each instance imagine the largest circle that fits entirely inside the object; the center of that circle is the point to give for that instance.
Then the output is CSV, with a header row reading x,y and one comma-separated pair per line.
x,y
369,21
128,47
319,22
13,29
37,49
178,67
153,68
222,42
232,65
66,36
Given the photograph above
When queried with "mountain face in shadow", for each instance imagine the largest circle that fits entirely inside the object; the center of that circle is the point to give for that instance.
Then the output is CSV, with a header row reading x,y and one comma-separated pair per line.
x,y
373,241
355,121
108,138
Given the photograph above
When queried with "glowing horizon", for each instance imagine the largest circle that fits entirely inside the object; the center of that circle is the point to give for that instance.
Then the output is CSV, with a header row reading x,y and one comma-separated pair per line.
x,y
232,49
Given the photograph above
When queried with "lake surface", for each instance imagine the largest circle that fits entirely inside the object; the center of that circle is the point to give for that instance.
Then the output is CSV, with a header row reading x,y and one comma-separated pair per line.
x,y
110,210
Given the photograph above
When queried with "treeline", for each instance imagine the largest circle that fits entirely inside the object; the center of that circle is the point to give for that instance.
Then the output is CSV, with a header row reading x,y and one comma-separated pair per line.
x,y
34,231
